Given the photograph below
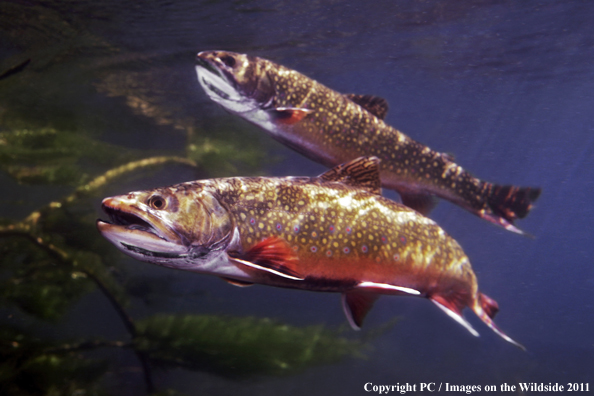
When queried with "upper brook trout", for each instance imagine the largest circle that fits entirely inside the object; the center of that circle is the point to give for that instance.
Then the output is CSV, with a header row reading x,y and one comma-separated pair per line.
x,y
332,233
332,128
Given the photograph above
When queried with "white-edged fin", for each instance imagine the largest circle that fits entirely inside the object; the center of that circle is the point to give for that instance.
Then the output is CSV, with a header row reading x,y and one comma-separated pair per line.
x,y
386,286
290,115
348,313
486,308
356,304
261,268
505,336
457,317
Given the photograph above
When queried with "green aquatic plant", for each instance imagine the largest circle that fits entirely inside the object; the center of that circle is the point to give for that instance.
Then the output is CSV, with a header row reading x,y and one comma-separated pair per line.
x,y
239,347
49,261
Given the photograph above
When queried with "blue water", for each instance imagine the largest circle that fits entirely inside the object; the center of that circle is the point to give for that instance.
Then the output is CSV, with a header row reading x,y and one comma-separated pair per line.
x,y
506,87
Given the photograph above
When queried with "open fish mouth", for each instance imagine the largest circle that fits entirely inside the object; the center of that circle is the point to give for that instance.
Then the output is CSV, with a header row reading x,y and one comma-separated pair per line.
x,y
214,89
129,220
137,237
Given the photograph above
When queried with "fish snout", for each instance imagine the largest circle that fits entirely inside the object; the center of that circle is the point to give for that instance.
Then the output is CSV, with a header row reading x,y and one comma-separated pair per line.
x,y
222,60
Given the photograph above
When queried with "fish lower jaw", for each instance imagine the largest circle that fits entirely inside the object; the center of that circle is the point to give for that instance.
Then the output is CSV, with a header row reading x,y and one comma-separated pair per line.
x,y
222,92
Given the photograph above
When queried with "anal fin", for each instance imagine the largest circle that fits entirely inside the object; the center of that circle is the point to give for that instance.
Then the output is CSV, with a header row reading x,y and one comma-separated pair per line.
x,y
455,314
356,304
271,255
486,308
422,203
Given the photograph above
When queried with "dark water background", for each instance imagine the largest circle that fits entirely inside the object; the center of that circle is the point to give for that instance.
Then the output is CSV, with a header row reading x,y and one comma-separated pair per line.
x,y
507,87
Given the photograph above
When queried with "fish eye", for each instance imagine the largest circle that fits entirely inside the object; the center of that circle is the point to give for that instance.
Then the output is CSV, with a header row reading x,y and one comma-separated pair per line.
x,y
157,202
228,60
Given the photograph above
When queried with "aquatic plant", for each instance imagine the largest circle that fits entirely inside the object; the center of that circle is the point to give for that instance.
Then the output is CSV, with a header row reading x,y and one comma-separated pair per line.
x,y
49,260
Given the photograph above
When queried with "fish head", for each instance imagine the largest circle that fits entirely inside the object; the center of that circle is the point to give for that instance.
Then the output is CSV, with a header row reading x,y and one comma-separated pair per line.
x,y
174,227
238,82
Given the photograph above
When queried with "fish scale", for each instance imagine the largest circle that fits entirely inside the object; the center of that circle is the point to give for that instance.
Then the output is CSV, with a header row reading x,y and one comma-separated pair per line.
x,y
354,229
332,233
334,128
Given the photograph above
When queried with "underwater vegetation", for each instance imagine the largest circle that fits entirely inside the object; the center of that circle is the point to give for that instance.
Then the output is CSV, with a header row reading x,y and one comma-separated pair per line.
x,y
54,256
78,116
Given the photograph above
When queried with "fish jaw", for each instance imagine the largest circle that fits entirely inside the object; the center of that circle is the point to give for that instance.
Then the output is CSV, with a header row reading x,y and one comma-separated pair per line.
x,y
141,244
227,79
138,233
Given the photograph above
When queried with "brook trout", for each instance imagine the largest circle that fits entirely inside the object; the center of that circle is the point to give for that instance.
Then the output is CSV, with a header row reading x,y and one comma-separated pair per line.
x,y
332,128
332,233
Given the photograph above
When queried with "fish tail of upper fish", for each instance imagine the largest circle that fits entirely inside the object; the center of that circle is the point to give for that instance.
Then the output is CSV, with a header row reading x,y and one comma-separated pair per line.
x,y
508,203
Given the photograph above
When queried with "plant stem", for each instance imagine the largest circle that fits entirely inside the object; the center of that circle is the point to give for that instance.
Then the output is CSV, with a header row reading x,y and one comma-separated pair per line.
x,y
62,256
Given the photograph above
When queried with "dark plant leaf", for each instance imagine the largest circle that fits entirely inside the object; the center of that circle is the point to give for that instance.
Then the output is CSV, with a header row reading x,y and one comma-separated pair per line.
x,y
240,347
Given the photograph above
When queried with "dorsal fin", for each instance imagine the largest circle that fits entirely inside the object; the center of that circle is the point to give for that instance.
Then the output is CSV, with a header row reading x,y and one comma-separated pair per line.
x,y
362,172
373,104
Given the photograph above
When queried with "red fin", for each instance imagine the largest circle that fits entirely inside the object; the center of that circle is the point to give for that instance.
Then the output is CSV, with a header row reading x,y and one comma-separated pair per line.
x,y
356,305
422,203
485,308
453,307
508,203
488,305
373,104
290,115
236,282
272,255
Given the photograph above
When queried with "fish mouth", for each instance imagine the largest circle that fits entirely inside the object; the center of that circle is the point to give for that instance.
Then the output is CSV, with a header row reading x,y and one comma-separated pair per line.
x,y
129,220
137,237
220,84
202,61
214,89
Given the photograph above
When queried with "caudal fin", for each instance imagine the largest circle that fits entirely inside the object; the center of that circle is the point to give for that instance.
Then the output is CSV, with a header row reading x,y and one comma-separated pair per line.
x,y
486,308
508,203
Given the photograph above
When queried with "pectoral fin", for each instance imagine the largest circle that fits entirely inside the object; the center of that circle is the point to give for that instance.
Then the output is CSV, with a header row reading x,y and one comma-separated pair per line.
x,y
271,255
290,115
356,304
236,282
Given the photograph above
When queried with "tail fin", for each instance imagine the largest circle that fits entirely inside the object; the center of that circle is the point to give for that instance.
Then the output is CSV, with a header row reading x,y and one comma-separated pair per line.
x,y
486,308
508,203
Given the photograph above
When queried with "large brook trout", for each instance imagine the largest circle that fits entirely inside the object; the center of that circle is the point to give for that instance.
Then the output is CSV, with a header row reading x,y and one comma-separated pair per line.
x,y
333,128
332,233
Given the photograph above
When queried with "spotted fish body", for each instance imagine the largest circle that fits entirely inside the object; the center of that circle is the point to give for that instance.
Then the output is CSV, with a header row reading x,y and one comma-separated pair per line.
x,y
333,128
333,233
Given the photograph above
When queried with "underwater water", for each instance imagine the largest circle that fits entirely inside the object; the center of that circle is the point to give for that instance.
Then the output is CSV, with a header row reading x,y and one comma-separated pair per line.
x,y
101,98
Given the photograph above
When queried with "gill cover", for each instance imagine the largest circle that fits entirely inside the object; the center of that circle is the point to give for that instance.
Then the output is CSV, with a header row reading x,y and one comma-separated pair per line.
x,y
167,224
